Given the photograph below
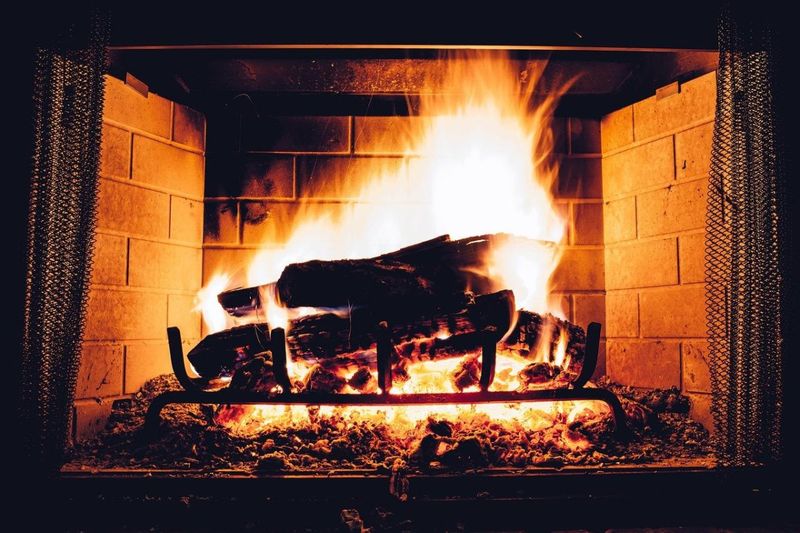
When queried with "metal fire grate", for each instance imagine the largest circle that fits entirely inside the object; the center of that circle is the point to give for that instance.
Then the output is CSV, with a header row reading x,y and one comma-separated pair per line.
x,y
745,228
68,105
195,392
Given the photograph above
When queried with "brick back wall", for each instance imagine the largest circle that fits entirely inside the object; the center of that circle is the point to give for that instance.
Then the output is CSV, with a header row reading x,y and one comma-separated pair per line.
x,y
148,253
656,156
261,170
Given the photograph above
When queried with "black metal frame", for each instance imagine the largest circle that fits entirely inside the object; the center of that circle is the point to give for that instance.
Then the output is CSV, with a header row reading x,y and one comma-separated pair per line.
x,y
194,389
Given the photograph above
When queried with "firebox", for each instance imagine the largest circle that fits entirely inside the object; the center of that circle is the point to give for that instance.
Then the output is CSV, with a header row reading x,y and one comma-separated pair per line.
x,y
473,274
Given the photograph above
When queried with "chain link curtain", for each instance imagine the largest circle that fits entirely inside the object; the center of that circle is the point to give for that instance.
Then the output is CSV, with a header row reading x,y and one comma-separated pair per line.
x,y
67,115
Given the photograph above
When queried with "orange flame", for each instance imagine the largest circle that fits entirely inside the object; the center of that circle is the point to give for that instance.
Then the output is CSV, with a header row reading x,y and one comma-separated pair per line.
x,y
478,162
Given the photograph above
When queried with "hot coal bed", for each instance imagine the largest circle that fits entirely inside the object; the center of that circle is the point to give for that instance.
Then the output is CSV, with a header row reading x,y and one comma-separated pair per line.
x,y
386,284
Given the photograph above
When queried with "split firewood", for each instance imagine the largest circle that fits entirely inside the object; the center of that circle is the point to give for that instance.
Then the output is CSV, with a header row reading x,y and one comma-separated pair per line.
x,y
433,273
427,335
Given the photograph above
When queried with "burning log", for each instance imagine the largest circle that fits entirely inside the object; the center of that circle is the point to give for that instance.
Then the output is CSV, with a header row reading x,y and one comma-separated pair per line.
x,y
221,353
533,329
428,335
332,340
436,273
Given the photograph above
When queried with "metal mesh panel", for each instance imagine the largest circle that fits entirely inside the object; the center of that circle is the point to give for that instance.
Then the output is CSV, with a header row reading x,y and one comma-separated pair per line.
x,y
68,104
744,232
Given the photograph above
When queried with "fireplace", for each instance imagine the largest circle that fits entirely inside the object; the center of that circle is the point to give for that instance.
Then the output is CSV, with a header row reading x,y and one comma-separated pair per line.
x,y
234,180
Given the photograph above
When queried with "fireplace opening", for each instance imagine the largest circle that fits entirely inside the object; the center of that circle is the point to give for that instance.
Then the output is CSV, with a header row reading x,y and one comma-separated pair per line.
x,y
484,238
456,273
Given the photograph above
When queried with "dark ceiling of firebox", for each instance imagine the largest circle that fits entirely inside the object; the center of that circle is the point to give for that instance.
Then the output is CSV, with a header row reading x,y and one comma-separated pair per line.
x,y
381,81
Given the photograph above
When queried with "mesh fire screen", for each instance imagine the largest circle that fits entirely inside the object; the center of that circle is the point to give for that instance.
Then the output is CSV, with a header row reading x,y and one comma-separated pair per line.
x,y
745,231
68,104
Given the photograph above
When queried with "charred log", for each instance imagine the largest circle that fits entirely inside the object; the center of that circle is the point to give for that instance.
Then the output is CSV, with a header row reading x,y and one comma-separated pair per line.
x,y
220,354
541,333
437,271
428,335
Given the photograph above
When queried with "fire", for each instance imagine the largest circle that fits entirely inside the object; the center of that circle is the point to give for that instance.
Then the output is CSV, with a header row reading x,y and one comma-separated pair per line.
x,y
214,316
479,163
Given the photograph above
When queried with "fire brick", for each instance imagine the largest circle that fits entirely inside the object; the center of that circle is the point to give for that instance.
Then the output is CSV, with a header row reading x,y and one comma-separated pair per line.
x,y
100,372
693,151
639,168
297,134
579,177
90,417
696,373
181,312
189,127
144,361
584,135
674,312
186,220
167,166
558,127
622,314
700,410
340,177
652,364
115,152
619,220
386,135
588,223
616,129
579,270
221,222
695,101
642,264
166,266
589,308
271,222
226,260
672,209
123,315
255,175
691,256
150,113
125,207
110,259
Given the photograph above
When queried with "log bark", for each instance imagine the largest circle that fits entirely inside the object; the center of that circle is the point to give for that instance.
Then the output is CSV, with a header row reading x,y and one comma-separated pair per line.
x,y
431,273
428,335
331,339
531,329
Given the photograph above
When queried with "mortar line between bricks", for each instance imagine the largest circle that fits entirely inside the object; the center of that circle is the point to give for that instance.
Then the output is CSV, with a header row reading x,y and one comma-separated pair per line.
x,y
142,185
657,287
674,158
146,290
127,260
183,244
152,136
129,175
124,366
654,188
674,131
653,238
